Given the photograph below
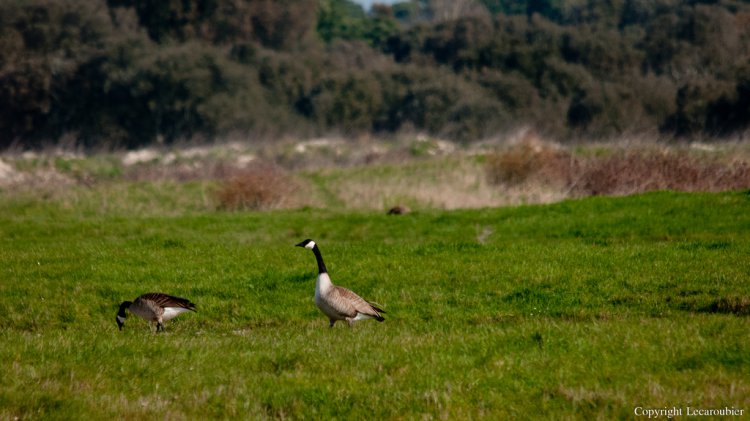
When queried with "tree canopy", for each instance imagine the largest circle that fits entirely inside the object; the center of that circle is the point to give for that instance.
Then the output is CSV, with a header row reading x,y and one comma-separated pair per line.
x,y
133,72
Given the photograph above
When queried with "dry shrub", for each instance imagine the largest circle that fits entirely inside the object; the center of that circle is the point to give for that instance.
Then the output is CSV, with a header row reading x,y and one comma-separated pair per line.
x,y
621,171
648,169
532,160
259,186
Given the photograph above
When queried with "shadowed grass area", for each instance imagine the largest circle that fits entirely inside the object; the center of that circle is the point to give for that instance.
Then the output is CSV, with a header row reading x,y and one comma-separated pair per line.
x,y
584,308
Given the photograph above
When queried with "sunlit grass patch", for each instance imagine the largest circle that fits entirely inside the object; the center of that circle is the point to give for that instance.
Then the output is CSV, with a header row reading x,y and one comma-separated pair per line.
x,y
584,308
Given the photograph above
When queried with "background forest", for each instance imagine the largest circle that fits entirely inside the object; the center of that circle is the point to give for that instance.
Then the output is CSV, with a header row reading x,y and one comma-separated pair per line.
x,y
128,73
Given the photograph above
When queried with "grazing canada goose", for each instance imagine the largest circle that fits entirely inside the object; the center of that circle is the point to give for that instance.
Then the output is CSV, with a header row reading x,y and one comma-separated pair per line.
x,y
155,307
339,303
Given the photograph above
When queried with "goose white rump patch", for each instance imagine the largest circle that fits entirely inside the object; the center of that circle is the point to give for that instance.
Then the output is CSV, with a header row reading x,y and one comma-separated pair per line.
x,y
361,316
172,312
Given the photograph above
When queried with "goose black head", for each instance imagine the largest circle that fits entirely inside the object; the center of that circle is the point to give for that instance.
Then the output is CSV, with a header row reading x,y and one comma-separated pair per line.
x,y
308,244
121,315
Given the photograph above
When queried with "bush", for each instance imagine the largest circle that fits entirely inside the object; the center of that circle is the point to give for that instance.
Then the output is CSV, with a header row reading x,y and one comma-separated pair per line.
x,y
532,159
650,169
260,186
622,171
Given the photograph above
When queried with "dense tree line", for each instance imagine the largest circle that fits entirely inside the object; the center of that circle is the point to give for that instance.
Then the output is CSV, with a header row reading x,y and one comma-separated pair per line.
x,y
133,72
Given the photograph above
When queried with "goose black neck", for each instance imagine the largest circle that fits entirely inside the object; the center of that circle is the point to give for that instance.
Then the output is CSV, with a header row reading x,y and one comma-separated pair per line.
x,y
123,306
319,258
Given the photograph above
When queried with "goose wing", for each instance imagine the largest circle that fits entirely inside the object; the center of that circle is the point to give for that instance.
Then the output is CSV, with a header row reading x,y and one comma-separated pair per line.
x,y
347,303
164,300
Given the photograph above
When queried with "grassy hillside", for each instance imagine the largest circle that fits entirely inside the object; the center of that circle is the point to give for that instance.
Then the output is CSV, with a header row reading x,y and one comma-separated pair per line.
x,y
588,307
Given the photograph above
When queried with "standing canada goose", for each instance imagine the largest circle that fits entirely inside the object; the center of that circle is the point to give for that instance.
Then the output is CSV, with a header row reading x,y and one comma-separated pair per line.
x,y
155,307
339,303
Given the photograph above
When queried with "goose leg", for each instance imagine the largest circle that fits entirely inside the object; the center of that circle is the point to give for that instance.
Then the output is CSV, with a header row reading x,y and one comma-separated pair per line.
x,y
332,322
159,327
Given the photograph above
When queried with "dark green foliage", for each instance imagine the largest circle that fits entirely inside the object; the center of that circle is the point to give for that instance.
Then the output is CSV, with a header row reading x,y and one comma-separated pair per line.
x,y
694,99
275,24
340,19
132,72
180,20
42,46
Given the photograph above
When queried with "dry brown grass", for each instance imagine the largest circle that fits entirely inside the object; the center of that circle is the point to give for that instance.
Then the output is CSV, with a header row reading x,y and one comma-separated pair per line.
x,y
181,172
643,169
371,174
620,170
442,183
259,186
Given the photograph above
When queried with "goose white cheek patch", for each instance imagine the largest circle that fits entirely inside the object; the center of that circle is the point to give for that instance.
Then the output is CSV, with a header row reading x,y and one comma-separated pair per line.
x,y
120,319
310,245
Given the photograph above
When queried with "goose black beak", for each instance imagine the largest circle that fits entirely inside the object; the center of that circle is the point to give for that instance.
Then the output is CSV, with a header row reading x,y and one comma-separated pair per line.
x,y
302,244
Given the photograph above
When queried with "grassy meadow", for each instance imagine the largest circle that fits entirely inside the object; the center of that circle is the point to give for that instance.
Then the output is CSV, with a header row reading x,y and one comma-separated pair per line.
x,y
585,308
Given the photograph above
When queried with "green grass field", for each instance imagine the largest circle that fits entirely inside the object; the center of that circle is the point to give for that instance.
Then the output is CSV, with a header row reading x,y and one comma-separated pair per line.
x,y
586,308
